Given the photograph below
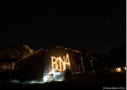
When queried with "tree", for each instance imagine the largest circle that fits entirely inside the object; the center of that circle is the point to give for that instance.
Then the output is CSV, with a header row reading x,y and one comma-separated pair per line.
x,y
23,50
118,55
17,51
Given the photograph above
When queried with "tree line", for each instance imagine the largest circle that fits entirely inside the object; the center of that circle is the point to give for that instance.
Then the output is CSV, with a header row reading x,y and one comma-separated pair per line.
x,y
116,58
17,51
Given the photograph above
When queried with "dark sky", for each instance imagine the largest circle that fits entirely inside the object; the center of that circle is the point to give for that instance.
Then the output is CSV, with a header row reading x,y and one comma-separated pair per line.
x,y
97,25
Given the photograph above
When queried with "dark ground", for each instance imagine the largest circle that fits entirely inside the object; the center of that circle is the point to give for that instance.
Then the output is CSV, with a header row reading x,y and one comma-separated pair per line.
x,y
82,81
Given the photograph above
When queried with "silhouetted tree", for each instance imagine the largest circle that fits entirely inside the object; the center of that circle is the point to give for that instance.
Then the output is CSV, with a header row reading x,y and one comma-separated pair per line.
x,y
118,55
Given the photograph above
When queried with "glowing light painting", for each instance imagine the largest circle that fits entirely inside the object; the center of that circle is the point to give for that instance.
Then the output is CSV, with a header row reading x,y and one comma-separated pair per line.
x,y
59,64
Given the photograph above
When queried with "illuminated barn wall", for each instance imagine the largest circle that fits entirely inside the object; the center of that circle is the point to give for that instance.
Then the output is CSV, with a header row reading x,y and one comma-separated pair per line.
x,y
60,59
45,60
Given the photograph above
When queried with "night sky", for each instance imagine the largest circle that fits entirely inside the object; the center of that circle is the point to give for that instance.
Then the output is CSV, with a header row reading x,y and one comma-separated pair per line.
x,y
96,25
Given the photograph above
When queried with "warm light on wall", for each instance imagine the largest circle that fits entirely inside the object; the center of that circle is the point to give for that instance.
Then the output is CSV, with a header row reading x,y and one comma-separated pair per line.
x,y
8,66
118,69
57,61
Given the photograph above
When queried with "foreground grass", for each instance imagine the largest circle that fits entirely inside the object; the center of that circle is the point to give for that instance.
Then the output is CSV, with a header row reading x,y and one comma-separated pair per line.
x,y
85,81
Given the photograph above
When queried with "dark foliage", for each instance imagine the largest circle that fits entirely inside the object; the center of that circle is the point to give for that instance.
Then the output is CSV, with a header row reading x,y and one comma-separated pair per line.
x,y
118,55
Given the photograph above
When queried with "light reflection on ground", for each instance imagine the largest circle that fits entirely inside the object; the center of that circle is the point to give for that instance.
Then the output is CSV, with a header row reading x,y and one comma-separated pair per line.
x,y
33,81
49,77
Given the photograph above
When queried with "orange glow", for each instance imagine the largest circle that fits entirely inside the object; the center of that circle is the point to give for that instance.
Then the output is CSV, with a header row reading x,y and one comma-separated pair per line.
x,y
76,51
59,62
118,69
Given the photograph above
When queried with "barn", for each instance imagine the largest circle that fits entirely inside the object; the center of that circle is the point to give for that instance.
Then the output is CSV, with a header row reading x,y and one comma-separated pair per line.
x,y
51,60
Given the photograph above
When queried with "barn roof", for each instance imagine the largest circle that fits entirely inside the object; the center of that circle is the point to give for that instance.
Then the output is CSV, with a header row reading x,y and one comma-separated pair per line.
x,y
77,49
81,50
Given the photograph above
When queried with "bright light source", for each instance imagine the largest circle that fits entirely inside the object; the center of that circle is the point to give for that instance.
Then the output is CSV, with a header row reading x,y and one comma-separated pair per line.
x,y
45,78
118,69
125,68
